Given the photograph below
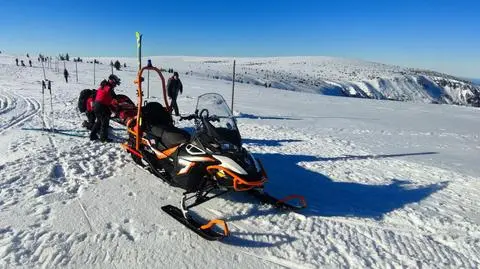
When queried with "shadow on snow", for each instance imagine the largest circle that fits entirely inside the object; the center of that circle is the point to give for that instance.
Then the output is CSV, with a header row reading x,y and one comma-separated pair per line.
x,y
324,196
259,117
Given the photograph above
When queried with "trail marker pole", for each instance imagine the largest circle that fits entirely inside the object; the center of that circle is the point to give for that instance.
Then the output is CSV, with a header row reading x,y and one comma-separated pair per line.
x,y
148,83
233,85
51,103
139,49
94,61
43,103
43,67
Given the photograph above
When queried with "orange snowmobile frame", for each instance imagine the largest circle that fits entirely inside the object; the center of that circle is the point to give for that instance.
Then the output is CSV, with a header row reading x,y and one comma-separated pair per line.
x,y
135,130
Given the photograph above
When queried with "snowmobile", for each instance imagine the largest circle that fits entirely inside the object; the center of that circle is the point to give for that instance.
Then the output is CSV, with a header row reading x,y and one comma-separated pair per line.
x,y
206,164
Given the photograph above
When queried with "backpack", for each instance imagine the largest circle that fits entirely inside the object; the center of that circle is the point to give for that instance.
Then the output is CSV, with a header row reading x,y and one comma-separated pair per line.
x,y
155,114
82,99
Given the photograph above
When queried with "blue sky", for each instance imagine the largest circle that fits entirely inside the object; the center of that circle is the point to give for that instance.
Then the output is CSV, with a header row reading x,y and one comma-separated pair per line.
x,y
441,35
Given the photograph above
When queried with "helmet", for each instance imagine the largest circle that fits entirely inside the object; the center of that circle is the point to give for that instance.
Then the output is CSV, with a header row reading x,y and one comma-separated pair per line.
x,y
114,79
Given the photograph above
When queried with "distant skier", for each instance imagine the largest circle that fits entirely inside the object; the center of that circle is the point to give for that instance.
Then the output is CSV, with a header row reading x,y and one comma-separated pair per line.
x,y
30,63
174,86
103,99
22,63
16,60
65,74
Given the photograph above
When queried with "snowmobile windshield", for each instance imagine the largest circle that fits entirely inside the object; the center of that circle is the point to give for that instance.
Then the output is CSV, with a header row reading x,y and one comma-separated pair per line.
x,y
218,119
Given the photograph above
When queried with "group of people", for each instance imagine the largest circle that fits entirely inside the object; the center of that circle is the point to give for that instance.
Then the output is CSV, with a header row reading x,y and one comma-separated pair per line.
x,y
65,71
98,105
22,63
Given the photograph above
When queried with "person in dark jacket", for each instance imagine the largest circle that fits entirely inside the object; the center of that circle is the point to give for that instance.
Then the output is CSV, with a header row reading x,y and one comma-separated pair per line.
x,y
16,60
174,86
65,74
103,99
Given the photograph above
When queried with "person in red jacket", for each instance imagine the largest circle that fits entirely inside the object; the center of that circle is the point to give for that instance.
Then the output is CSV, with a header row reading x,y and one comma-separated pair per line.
x,y
103,99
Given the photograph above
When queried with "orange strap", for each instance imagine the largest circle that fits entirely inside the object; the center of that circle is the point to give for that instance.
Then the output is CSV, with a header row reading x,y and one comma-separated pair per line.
x,y
294,196
209,225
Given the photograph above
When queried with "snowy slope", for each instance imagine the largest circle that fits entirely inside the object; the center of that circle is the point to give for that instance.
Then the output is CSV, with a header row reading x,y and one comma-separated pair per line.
x,y
389,184
330,76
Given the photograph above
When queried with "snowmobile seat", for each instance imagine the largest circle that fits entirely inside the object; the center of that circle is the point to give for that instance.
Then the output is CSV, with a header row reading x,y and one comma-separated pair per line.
x,y
159,123
169,136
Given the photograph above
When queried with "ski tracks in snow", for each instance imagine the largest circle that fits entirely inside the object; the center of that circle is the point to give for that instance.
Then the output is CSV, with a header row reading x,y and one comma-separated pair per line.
x,y
25,108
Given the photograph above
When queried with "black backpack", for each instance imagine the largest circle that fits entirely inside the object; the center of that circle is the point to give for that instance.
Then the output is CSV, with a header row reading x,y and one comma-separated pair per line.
x,y
155,114
82,100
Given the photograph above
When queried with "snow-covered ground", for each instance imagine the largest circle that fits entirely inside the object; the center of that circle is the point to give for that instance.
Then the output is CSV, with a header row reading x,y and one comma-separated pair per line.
x,y
388,184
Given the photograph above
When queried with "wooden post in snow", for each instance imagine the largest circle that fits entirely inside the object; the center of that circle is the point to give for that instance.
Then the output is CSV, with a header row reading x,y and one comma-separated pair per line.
x,y
233,85
43,67
76,70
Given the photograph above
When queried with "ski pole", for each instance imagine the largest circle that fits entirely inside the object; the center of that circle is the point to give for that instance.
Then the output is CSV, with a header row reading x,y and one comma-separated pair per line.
x,y
43,104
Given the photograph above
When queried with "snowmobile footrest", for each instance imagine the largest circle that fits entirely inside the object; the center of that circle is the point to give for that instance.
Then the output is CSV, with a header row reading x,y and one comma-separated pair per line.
x,y
204,231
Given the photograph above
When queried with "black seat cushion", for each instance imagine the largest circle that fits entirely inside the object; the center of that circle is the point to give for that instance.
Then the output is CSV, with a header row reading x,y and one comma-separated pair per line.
x,y
169,136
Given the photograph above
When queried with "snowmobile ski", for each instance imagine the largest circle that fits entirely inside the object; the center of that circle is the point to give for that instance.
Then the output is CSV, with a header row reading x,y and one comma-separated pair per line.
x,y
204,230
266,198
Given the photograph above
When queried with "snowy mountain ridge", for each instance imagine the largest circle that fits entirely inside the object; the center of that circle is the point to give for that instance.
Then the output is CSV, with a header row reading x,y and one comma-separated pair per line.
x,y
336,76
324,75
329,76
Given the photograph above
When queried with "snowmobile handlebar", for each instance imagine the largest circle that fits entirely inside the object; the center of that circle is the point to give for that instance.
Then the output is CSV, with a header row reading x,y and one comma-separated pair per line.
x,y
202,115
189,117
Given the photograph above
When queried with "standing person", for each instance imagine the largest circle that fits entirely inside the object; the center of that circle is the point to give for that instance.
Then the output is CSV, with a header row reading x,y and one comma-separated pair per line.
x,y
16,60
65,74
30,63
174,86
103,99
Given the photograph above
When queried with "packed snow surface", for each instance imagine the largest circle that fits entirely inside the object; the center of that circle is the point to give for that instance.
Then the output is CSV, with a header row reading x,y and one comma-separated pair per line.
x,y
388,184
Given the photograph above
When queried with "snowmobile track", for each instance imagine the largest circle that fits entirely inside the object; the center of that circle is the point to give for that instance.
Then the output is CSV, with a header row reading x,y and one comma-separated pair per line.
x,y
7,102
